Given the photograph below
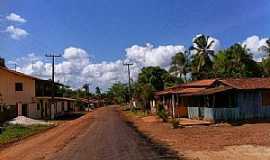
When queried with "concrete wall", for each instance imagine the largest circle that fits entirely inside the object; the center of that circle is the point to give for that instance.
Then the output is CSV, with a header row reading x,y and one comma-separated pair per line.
x,y
248,106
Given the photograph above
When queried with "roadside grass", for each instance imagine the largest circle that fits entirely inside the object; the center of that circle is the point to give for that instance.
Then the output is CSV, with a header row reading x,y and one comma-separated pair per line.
x,y
138,113
14,133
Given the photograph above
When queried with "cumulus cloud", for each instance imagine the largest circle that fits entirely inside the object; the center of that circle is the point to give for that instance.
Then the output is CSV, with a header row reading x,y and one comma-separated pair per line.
x,y
149,55
15,18
16,33
253,43
76,68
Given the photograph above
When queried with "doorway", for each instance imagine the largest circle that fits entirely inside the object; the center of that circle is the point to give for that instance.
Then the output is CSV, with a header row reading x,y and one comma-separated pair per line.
x,y
24,110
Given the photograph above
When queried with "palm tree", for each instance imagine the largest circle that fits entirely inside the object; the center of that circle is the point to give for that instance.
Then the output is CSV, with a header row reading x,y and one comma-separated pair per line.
x,y
179,65
202,59
266,48
266,61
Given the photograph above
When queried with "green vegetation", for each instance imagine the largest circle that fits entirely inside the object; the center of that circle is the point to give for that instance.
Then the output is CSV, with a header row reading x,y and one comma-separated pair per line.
x,y
202,63
180,66
163,115
118,93
13,133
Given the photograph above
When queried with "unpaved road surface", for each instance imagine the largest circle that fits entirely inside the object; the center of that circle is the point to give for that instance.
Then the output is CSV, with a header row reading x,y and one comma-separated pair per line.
x,y
100,135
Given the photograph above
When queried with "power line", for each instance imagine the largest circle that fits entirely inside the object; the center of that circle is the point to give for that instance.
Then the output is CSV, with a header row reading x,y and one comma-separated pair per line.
x,y
129,79
53,56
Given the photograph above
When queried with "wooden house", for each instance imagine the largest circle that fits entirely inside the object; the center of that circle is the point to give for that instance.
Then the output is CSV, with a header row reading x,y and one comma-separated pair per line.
x,y
219,99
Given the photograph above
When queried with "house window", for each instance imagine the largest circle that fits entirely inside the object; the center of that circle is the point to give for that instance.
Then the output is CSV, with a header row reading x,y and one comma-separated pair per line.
x,y
18,86
266,98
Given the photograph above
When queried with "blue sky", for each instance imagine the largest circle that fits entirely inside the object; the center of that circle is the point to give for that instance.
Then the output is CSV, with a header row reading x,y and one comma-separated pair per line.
x,y
105,28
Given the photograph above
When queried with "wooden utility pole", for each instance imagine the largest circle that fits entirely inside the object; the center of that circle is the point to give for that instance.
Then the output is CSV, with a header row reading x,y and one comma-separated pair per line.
x,y
129,79
53,56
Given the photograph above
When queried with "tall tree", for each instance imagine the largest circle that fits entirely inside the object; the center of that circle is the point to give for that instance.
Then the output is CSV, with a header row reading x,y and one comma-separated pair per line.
x,y
118,93
266,48
236,62
180,65
266,61
202,63
266,67
98,92
155,76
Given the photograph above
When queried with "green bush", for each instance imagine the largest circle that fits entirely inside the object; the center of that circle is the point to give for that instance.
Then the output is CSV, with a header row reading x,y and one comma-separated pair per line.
x,y
163,115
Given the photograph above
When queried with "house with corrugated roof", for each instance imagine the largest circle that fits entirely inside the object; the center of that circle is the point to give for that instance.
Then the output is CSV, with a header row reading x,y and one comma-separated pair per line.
x,y
218,99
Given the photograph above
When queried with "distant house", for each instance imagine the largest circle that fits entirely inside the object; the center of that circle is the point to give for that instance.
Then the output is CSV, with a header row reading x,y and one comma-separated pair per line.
x,y
25,95
218,99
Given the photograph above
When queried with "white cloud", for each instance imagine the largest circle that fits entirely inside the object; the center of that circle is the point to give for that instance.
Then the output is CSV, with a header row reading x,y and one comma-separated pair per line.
x,y
149,55
16,33
76,68
15,18
253,43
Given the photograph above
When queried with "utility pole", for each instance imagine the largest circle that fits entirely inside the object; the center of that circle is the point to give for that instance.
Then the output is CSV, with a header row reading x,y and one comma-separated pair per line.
x,y
53,56
129,83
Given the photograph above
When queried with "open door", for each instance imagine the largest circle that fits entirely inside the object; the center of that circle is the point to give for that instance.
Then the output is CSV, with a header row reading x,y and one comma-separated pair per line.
x,y
24,110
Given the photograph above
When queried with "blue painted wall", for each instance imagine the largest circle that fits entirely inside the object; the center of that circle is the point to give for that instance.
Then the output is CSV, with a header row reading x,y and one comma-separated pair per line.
x,y
248,106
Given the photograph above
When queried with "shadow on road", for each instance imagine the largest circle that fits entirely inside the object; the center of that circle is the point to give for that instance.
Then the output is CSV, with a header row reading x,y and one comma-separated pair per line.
x,y
70,116
164,152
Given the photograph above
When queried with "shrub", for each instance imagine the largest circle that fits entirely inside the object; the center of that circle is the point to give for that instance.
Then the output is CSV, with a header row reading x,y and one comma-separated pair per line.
x,y
163,115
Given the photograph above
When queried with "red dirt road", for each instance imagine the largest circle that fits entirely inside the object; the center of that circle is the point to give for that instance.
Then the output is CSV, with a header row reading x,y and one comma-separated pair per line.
x,y
100,135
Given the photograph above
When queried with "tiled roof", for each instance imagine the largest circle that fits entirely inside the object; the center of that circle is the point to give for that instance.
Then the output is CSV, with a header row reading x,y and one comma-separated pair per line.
x,y
200,83
248,83
209,91
190,90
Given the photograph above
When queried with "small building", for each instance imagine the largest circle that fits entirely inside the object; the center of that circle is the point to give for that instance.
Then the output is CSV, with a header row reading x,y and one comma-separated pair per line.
x,y
45,111
219,99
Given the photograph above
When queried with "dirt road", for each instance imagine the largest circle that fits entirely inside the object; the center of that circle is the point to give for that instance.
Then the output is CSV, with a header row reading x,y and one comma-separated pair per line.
x,y
101,135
